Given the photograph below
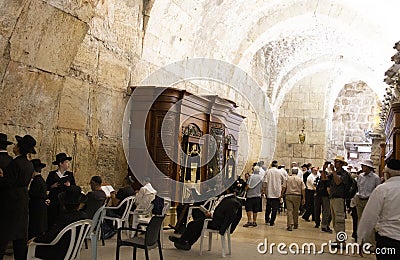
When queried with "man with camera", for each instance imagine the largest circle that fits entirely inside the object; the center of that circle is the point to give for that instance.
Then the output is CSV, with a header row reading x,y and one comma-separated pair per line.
x,y
339,179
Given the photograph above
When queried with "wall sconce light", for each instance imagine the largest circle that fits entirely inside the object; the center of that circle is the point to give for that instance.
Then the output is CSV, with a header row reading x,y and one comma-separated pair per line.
x,y
302,136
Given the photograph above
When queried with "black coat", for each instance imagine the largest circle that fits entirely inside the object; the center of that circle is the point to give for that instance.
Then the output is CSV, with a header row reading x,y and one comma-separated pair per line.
x,y
54,208
93,201
59,250
37,207
5,160
14,186
227,212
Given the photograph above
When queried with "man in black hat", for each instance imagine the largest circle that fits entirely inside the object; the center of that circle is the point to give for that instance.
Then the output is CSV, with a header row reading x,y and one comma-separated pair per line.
x,y
14,185
56,182
381,216
5,158
37,201
71,199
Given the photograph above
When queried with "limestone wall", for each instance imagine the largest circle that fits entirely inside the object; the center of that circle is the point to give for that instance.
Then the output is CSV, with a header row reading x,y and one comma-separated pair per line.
x,y
306,100
355,111
64,73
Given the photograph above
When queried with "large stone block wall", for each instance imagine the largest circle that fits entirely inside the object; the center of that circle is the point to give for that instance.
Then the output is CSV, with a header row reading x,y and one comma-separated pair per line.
x,y
304,106
355,111
65,67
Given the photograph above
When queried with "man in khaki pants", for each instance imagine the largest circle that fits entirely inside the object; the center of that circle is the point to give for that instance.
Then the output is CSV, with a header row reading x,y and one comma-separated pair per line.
x,y
294,189
366,183
338,179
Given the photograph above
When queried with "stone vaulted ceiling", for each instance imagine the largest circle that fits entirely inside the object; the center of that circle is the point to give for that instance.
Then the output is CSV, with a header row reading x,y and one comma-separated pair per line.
x,y
279,44
298,38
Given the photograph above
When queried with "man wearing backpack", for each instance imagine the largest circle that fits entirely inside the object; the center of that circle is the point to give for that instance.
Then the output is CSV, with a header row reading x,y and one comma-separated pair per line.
x,y
338,188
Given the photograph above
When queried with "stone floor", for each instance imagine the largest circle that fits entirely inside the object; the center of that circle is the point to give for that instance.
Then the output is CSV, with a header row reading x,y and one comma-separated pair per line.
x,y
244,244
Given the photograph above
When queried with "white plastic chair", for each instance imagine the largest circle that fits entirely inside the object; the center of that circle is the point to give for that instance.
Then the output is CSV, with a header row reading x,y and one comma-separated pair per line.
x,y
208,204
138,214
76,240
227,235
94,233
124,219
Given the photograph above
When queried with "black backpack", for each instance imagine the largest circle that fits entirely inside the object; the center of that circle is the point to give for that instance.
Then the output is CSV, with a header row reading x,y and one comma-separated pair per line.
x,y
158,203
350,187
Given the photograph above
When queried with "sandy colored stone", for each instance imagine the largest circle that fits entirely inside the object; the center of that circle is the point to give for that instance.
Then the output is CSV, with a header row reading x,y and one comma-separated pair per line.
x,y
84,10
9,13
30,97
113,71
74,105
3,67
107,108
47,38
86,60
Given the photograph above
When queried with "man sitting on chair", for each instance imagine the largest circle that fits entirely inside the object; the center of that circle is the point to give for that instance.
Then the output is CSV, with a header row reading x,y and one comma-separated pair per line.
x,y
70,199
228,211
94,199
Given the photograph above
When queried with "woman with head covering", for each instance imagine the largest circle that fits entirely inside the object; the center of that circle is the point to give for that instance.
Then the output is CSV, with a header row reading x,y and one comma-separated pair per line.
x,y
56,182
14,184
37,201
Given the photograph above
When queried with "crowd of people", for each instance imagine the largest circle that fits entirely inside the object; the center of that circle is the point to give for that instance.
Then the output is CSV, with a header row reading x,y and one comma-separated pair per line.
x,y
38,209
311,192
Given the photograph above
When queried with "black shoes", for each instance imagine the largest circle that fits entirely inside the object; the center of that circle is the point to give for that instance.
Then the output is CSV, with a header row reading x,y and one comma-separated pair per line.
x,y
179,244
316,226
183,246
327,230
289,228
174,239
110,234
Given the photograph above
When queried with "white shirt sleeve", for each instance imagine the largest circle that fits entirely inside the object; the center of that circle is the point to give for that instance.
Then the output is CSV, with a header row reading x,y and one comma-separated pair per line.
x,y
369,218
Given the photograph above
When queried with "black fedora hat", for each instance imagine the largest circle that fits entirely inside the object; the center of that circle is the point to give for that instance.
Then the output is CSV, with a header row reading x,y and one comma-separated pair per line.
x,y
27,143
72,195
37,163
61,157
3,139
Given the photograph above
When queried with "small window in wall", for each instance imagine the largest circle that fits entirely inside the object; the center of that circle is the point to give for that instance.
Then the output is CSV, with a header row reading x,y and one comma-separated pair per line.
x,y
353,155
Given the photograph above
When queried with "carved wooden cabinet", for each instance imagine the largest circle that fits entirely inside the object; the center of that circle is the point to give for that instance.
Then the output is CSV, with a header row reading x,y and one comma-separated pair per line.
x,y
190,138
392,131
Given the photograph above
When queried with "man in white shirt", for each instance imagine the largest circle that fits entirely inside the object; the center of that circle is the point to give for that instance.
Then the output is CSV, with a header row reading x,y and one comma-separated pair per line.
x,y
367,181
310,191
272,188
296,170
382,214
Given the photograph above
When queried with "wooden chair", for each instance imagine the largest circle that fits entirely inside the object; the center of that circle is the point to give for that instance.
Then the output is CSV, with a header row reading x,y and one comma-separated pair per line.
x,y
78,231
150,240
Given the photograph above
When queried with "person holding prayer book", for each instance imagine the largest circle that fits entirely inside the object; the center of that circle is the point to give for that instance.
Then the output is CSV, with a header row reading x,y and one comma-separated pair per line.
x,y
56,182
